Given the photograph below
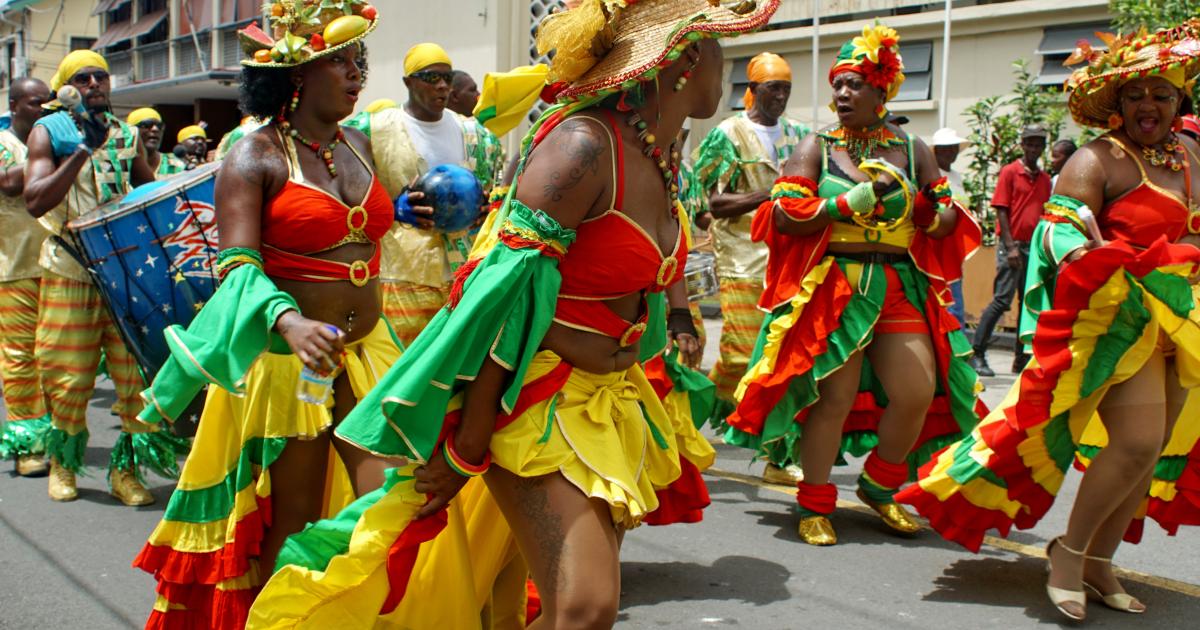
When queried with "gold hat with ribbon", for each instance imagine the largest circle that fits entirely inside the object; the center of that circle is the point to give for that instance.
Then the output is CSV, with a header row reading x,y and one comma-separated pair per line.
x,y
1173,54
606,46
304,30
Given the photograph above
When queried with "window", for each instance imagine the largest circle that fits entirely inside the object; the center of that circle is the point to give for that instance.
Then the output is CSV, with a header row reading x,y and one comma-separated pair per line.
x,y
918,71
1058,43
82,43
739,82
539,9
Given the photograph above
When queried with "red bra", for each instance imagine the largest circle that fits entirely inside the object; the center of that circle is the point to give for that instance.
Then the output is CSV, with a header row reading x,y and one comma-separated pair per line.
x,y
304,219
612,257
1146,213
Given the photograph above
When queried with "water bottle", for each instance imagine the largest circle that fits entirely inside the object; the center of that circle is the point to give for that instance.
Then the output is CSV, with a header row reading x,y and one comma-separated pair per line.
x,y
312,387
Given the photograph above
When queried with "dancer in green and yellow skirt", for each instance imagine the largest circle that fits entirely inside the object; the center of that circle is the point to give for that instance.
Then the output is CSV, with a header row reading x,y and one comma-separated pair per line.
x,y
859,354
529,377
290,341
1112,319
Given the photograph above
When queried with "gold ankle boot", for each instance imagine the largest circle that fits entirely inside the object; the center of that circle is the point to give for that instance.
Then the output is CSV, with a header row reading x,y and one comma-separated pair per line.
x,y
62,483
817,530
31,465
127,489
787,476
893,514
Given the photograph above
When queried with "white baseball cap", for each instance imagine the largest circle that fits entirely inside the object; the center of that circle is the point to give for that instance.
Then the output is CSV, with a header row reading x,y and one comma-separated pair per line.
x,y
947,137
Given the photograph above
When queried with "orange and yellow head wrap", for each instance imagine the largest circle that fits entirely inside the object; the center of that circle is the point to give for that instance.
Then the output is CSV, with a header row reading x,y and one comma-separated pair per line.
x,y
763,68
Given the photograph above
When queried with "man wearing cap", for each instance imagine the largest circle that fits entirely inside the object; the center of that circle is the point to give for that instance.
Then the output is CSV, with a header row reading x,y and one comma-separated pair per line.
x,y
24,434
194,140
417,261
78,161
946,145
150,128
737,162
1022,189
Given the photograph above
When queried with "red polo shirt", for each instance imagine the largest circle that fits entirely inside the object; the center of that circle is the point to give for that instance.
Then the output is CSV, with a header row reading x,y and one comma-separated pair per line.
x,y
1024,196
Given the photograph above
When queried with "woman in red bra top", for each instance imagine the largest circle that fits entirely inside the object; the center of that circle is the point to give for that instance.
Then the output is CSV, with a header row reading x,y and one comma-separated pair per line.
x,y
291,340
1115,331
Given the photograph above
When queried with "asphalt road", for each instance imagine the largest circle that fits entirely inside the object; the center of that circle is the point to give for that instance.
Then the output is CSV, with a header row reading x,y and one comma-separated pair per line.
x,y
68,565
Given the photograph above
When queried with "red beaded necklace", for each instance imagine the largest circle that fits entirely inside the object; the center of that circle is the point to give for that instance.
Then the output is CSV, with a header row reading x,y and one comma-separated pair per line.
x,y
325,152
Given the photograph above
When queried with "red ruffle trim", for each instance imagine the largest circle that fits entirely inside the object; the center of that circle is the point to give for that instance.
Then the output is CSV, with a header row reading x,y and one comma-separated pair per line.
x,y
956,518
806,340
232,560
684,500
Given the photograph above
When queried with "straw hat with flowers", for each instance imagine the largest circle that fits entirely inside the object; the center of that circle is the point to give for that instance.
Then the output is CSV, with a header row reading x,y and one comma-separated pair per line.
x,y
602,47
1173,54
304,30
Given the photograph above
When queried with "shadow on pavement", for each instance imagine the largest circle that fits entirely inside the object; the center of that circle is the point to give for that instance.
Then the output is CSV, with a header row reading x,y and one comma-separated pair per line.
x,y
741,578
1020,583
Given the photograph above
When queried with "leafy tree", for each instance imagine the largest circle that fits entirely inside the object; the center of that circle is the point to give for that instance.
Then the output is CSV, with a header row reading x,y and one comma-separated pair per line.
x,y
1130,15
995,123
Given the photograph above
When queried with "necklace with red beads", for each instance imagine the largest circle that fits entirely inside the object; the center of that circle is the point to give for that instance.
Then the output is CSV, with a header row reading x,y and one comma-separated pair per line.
x,y
1171,155
669,165
323,151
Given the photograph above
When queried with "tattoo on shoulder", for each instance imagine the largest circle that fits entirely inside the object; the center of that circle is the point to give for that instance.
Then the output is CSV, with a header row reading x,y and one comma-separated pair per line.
x,y
583,153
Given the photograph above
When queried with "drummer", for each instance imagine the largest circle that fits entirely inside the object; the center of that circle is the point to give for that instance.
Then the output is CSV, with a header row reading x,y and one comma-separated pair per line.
x,y
78,161
150,127
24,434
194,140
736,163
417,261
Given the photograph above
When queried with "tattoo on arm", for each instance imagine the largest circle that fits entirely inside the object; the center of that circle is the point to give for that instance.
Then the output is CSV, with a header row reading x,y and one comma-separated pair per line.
x,y
583,153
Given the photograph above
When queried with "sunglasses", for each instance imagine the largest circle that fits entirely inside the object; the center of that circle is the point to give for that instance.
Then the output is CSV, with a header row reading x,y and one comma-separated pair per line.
x,y
432,76
149,124
86,78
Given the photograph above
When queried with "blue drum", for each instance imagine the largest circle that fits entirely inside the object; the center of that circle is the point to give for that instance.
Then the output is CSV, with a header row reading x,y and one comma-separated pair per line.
x,y
153,256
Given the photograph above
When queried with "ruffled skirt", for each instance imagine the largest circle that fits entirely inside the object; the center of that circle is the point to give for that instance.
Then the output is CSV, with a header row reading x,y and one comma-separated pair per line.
x,y
202,553
1111,309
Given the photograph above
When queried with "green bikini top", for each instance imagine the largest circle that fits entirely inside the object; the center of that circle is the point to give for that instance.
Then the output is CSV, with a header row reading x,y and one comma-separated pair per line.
x,y
835,181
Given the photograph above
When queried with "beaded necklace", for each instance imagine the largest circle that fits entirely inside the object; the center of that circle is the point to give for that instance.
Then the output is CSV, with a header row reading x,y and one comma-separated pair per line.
x,y
325,152
863,144
668,165
1170,155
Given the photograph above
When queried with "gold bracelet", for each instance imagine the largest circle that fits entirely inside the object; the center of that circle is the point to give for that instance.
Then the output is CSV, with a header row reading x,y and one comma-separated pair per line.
x,y
935,224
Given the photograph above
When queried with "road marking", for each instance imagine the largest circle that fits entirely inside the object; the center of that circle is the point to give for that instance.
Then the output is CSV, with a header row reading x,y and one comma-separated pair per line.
x,y
1183,588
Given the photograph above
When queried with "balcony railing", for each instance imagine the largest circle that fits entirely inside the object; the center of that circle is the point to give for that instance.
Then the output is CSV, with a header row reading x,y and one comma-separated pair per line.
x,y
120,66
189,60
155,62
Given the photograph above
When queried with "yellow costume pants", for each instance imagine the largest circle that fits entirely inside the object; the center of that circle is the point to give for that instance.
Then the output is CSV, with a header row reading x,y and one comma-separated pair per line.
x,y
18,362
72,327
740,322
409,307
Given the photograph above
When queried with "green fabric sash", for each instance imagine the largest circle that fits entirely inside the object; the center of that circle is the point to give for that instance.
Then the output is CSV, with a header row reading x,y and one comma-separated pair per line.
x,y
220,344
1052,241
506,308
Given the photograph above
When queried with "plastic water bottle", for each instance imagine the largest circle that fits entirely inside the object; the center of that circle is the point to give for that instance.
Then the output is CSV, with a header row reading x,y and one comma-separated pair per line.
x,y
312,387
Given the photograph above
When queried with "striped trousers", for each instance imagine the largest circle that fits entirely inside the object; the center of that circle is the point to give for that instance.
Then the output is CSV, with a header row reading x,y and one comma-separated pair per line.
x,y
409,307
18,362
73,326
740,322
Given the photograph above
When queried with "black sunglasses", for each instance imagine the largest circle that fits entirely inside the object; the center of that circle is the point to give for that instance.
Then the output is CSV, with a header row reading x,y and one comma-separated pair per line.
x,y
85,78
432,76
147,124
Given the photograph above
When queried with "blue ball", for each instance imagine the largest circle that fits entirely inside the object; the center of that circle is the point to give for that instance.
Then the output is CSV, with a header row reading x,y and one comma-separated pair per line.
x,y
454,194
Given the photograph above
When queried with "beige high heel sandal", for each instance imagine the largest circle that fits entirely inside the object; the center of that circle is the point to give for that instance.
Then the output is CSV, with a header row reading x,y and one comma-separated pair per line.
x,y
1060,596
1117,601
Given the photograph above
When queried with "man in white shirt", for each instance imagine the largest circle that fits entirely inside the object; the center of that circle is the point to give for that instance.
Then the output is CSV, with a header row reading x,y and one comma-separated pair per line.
x,y
417,261
946,145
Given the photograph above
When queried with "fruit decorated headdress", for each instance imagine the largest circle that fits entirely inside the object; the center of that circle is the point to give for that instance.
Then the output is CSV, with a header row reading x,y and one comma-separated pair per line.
x,y
606,46
1173,54
876,56
304,30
